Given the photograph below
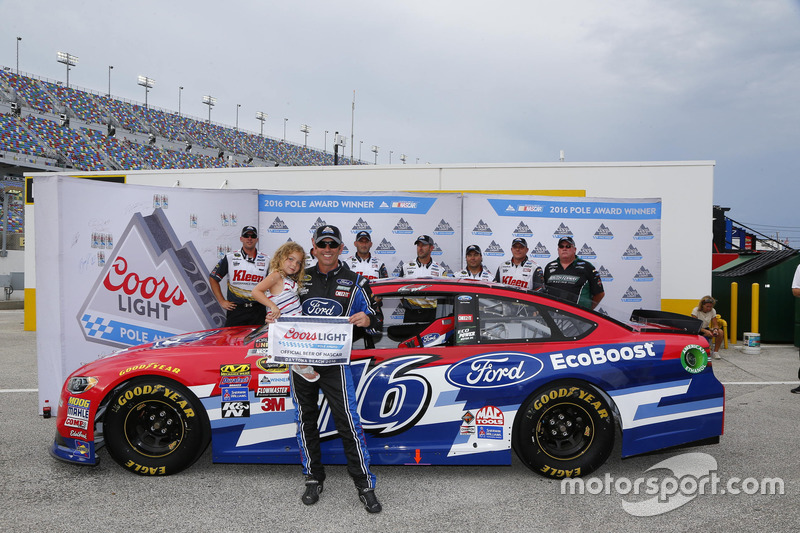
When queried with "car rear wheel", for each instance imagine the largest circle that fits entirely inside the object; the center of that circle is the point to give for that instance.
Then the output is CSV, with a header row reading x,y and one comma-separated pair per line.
x,y
565,429
155,426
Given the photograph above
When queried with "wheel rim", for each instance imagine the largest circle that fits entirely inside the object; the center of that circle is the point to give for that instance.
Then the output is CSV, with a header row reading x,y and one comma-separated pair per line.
x,y
154,428
565,431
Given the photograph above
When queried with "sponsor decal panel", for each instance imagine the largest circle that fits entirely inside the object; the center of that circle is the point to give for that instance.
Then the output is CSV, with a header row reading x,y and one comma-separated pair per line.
x,y
278,226
631,295
235,409
149,289
494,370
643,233
643,275
242,369
234,394
606,354
494,249
309,340
489,422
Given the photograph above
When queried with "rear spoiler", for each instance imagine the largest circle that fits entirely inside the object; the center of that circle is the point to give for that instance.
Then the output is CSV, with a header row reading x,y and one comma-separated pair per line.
x,y
665,319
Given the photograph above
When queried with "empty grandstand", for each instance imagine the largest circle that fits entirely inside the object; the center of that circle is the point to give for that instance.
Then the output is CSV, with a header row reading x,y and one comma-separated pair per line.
x,y
46,126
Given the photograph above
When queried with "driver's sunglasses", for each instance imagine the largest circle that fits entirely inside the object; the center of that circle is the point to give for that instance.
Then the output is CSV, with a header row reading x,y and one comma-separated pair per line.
x,y
565,245
250,236
327,244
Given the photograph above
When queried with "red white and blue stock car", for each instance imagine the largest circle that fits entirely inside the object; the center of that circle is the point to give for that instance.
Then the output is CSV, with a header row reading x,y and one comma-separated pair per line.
x,y
463,373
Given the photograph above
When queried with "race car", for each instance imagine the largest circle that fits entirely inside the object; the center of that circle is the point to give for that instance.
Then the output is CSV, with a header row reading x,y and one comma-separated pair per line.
x,y
463,373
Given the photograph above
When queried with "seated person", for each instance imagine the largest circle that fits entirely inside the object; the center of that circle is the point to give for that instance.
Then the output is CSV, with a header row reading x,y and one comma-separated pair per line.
x,y
705,311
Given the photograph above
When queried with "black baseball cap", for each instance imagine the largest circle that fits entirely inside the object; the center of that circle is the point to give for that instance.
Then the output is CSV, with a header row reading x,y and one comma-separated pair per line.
x,y
327,232
473,248
424,239
363,234
520,240
250,229
568,239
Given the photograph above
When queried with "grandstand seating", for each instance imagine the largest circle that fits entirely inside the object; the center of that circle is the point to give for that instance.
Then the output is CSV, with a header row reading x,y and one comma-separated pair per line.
x,y
15,138
85,148
30,90
67,142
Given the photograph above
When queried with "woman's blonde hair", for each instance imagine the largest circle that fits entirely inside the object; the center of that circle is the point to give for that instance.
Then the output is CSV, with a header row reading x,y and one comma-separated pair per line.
x,y
708,299
285,250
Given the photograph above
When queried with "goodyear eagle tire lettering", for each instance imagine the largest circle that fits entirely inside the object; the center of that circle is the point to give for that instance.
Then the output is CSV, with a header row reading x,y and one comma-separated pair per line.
x,y
564,429
154,426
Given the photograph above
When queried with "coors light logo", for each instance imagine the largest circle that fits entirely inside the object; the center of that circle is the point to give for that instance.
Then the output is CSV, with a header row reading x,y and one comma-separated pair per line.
x,y
152,287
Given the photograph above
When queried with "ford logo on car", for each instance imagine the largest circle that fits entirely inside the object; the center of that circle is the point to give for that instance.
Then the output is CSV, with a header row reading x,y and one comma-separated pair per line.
x,y
494,370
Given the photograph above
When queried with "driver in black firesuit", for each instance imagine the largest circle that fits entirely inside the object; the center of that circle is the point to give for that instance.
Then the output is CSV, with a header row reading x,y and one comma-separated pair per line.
x,y
332,289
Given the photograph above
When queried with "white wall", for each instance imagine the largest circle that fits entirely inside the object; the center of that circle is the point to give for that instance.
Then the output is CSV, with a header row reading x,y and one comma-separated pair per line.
x,y
685,187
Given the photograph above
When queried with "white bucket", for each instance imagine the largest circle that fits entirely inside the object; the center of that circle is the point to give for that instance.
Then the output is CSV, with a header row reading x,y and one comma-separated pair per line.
x,y
752,343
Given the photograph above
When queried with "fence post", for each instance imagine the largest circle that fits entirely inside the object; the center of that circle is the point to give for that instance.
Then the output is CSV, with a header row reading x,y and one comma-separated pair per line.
x,y
754,310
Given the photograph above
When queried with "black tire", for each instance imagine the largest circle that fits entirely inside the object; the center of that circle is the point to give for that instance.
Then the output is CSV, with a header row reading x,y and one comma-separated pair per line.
x,y
565,429
155,426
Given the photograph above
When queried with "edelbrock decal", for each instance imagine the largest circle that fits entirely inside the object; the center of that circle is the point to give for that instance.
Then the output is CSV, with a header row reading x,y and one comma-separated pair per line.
x,y
494,370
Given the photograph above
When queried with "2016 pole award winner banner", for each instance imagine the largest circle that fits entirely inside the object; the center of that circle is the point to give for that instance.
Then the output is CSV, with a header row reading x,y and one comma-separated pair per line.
x,y
393,219
121,265
311,341
620,237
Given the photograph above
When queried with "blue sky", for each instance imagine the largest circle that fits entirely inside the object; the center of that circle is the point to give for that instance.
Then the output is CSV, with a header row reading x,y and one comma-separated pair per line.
x,y
462,81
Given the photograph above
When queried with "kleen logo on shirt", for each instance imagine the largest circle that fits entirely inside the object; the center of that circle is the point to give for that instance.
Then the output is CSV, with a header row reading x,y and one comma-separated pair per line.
x,y
242,275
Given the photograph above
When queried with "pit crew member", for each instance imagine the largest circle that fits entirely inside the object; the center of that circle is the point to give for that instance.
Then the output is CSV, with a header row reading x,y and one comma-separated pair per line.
x,y
423,266
475,267
363,262
244,269
520,271
572,278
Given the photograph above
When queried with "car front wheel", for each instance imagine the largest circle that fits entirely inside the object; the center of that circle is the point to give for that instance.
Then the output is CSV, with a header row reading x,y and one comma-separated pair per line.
x,y
155,426
565,429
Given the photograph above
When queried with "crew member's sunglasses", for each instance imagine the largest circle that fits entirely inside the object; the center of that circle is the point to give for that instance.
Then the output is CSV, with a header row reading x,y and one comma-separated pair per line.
x,y
327,244
250,236
567,245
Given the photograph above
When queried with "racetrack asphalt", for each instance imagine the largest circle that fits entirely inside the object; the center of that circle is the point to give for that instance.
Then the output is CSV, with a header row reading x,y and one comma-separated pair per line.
x,y
39,493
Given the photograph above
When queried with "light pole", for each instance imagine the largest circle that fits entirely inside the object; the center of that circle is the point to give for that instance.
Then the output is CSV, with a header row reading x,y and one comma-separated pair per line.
x,y
305,129
18,40
325,146
110,67
260,115
390,156
69,60
285,120
360,144
375,149
180,88
237,116
210,101
147,83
